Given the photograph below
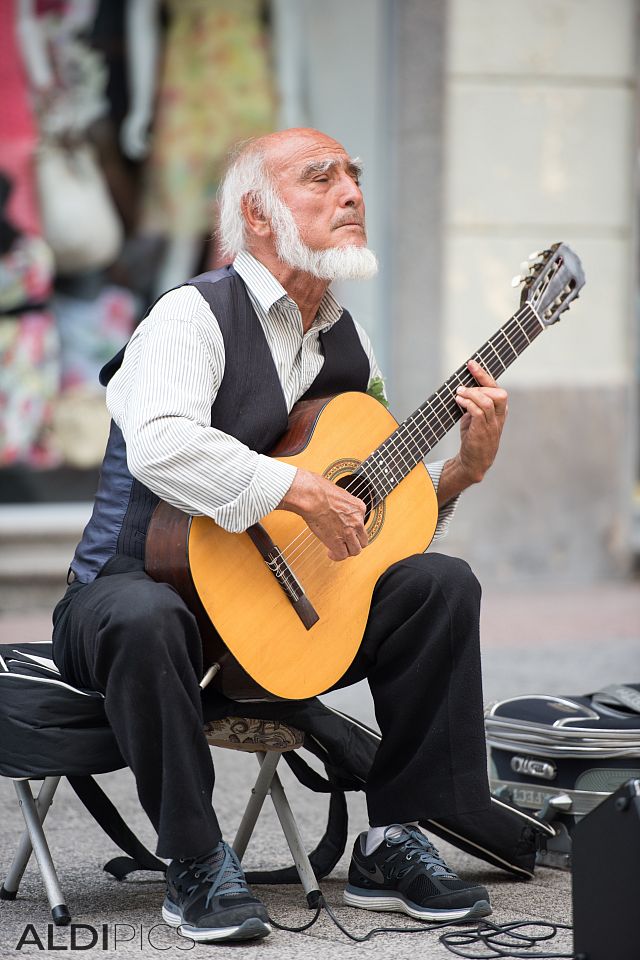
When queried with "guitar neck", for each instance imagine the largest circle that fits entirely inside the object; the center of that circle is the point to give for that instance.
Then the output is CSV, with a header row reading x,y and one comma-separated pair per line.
x,y
410,443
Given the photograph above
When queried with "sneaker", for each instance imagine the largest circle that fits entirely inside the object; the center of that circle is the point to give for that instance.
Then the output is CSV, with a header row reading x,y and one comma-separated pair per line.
x,y
209,899
407,874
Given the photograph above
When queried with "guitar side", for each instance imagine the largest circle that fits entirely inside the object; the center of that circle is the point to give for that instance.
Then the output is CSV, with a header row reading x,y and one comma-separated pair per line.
x,y
247,605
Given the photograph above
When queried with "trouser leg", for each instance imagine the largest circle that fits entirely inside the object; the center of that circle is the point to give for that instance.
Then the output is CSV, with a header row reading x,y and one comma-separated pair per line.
x,y
134,640
420,653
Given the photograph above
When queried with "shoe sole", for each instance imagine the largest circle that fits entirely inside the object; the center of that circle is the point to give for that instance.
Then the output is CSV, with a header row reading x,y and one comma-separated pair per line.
x,y
397,903
250,929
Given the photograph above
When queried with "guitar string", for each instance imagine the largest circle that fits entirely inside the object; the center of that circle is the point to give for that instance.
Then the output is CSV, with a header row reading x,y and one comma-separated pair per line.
x,y
426,421
314,545
521,333
512,332
311,541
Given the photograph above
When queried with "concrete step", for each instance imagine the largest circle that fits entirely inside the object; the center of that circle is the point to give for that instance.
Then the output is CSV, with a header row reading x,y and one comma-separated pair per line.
x,y
37,542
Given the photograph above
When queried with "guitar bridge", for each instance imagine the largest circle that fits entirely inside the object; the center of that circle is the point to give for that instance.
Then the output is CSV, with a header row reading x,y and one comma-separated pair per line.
x,y
283,574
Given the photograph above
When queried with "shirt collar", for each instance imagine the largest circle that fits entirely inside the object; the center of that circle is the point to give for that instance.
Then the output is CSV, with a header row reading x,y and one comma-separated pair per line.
x,y
268,291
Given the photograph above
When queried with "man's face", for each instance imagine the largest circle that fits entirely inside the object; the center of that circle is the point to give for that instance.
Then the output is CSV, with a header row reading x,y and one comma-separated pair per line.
x,y
318,182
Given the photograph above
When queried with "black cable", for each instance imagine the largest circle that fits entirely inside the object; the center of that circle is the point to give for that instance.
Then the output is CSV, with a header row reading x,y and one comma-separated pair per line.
x,y
495,936
376,930
323,905
486,934
281,926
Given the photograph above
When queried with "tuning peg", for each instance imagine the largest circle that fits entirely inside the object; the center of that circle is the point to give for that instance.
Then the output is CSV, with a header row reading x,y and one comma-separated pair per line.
x,y
525,266
517,280
535,254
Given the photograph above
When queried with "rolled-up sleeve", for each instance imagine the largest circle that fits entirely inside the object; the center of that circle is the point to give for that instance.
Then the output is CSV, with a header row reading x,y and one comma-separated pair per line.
x,y
447,510
161,399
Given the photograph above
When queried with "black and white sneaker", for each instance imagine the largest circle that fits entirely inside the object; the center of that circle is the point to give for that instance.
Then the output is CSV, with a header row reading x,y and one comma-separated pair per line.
x,y
407,874
209,899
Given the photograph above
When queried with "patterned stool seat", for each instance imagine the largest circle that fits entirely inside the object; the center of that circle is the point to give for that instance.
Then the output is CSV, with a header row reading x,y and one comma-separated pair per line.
x,y
253,735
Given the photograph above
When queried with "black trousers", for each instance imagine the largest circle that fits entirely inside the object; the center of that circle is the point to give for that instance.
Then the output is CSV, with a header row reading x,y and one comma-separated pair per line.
x,y
135,641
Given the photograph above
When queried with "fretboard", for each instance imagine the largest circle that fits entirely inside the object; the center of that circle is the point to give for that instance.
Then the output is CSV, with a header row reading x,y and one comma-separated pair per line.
x,y
392,461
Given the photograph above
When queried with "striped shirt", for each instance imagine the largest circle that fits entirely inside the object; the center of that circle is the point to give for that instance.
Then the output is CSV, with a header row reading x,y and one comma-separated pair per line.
x,y
161,398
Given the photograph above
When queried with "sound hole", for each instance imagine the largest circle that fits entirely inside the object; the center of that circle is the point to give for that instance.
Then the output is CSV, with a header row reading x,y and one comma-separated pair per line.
x,y
359,487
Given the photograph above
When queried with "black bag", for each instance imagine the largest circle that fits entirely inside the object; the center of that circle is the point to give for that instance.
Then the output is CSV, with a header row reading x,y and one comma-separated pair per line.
x,y
49,728
560,757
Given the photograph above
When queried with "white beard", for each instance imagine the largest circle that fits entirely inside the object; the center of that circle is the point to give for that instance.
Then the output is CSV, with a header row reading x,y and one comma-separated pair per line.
x,y
335,263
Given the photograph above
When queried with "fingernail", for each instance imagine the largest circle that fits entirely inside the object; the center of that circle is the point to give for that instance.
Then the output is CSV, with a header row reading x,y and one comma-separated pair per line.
x,y
460,389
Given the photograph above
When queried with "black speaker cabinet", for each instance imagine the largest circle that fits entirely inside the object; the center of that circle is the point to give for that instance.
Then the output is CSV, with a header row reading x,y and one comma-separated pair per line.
x,y
606,878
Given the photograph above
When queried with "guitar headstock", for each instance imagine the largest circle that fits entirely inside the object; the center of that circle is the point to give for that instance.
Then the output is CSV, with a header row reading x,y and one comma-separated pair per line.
x,y
554,278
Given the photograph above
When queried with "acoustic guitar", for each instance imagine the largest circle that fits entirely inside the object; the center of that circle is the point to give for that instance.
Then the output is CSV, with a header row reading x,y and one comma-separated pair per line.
x,y
278,618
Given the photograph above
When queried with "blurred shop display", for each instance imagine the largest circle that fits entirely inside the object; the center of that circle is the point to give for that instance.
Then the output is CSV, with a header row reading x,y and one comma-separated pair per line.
x,y
94,320
115,122
29,346
63,223
213,89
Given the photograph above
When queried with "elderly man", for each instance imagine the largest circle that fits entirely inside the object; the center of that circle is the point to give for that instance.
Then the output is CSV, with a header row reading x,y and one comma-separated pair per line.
x,y
197,400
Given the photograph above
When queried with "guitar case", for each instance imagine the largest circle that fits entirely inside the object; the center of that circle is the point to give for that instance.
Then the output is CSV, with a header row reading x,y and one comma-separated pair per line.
x,y
559,757
50,728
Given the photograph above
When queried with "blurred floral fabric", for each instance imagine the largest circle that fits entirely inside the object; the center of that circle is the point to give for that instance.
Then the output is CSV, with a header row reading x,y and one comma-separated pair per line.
x,y
215,89
91,332
29,354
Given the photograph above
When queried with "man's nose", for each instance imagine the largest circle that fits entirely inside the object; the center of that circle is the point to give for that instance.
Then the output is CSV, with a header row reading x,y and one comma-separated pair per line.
x,y
351,194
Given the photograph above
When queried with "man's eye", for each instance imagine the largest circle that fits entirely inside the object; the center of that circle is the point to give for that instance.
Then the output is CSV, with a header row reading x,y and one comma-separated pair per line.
x,y
321,180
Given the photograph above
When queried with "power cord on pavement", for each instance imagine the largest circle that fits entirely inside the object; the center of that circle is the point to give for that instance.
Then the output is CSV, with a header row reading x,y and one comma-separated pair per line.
x,y
498,938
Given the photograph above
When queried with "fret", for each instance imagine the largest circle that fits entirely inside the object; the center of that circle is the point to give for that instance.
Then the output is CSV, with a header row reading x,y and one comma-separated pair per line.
x,y
502,364
413,439
502,334
524,331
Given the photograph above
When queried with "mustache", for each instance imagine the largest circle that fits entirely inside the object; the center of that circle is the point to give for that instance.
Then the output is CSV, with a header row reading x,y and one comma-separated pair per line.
x,y
348,218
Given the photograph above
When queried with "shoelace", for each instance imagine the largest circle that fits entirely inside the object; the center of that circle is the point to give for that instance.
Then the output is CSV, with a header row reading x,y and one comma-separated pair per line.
x,y
416,842
224,872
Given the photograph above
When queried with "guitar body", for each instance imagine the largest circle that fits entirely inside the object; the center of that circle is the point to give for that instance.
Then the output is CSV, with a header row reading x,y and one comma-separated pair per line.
x,y
269,644
240,594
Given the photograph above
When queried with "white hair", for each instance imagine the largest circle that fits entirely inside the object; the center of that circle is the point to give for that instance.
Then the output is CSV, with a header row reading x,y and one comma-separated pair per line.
x,y
247,176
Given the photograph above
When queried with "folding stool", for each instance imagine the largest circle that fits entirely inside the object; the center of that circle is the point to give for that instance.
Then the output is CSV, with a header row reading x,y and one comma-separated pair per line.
x,y
268,739
33,840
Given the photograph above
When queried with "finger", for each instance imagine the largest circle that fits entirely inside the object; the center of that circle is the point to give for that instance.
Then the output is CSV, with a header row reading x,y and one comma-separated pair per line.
x,y
495,395
339,551
363,537
480,375
478,406
353,544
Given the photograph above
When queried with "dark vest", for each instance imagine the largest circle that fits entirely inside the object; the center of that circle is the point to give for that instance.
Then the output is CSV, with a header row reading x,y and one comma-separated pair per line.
x,y
249,405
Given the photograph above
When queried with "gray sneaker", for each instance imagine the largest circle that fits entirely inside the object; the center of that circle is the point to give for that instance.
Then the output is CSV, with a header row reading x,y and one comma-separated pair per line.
x,y
407,874
209,899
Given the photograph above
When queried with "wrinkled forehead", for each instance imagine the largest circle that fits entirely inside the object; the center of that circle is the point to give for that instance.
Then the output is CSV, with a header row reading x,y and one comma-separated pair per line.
x,y
302,158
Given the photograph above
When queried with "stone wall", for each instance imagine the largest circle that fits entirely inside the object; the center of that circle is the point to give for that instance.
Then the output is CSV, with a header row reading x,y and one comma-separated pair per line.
x,y
538,113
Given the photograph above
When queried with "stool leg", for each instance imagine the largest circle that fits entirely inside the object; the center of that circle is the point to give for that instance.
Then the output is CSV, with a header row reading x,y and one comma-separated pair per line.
x,y
9,889
292,834
59,911
268,764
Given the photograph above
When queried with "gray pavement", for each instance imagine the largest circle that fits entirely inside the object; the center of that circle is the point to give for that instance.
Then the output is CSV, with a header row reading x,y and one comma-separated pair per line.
x,y
553,641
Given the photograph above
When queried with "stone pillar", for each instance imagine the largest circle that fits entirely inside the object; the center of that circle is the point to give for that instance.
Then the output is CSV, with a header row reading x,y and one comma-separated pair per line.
x,y
540,123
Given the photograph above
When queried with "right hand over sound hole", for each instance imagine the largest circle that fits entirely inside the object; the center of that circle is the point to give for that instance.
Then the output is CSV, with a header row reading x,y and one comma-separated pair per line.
x,y
333,514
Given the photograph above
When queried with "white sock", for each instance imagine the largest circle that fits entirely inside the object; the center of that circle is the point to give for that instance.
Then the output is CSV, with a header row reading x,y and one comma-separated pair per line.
x,y
375,835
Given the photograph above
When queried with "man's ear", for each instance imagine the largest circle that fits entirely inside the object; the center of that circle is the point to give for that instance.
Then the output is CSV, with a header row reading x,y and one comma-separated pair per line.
x,y
254,216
